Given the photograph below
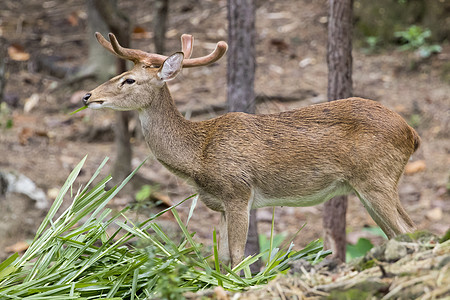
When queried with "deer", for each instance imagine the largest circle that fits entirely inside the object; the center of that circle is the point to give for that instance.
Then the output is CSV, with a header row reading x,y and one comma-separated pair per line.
x,y
238,161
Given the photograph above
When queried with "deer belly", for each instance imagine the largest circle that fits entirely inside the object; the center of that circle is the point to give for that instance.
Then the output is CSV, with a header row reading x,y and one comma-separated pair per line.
x,y
311,198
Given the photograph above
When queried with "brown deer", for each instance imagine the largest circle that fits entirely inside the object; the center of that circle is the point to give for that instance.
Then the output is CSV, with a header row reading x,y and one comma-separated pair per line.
x,y
239,161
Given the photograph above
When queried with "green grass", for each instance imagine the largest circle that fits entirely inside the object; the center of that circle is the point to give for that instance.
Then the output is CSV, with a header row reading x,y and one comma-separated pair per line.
x,y
79,109
88,251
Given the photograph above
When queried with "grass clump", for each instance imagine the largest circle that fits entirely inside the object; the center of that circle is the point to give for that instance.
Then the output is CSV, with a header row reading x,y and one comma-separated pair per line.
x,y
90,252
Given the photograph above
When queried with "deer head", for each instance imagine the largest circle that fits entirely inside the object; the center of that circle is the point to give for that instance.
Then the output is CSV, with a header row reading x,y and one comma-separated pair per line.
x,y
150,72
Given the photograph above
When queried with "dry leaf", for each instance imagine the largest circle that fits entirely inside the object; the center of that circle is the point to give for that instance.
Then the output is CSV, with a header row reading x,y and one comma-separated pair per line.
x,y
415,167
161,197
17,247
434,214
139,29
17,52
279,44
140,33
24,135
31,103
73,19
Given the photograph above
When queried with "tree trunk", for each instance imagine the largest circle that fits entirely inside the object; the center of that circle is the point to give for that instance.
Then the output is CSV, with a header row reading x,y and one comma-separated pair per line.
x,y
241,56
240,78
160,24
99,63
339,58
119,24
3,55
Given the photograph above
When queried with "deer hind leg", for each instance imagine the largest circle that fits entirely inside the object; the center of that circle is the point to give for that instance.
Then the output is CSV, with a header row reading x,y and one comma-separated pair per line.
x,y
383,205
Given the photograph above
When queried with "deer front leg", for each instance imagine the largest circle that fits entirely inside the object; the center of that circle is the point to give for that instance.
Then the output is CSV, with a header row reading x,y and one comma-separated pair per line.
x,y
237,229
224,250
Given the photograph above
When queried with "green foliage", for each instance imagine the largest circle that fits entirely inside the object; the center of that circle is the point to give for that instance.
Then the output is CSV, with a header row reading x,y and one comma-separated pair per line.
x,y
445,238
359,249
145,192
143,197
78,110
264,244
371,44
384,17
415,120
415,39
87,253
377,231
6,120
363,245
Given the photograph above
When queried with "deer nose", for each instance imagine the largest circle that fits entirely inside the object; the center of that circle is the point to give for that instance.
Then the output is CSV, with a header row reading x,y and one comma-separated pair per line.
x,y
86,98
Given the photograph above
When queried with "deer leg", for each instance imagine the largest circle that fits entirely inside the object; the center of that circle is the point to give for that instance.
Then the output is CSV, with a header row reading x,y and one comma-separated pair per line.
x,y
224,250
237,228
386,210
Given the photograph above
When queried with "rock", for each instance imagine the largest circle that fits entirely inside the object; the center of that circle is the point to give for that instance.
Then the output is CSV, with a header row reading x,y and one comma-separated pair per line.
x,y
377,252
19,183
297,265
394,250
220,293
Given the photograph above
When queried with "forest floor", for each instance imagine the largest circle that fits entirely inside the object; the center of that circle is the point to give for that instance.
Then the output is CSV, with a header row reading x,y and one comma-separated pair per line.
x,y
45,142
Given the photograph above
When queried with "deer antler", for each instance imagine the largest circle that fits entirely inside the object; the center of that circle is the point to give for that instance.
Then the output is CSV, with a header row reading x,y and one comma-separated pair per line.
x,y
134,55
137,56
187,45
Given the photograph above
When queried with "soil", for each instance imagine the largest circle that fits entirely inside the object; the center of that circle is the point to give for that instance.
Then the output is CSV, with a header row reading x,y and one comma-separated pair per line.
x,y
45,142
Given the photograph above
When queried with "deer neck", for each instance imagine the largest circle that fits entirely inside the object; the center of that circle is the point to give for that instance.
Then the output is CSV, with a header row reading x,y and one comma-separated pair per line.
x,y
174,141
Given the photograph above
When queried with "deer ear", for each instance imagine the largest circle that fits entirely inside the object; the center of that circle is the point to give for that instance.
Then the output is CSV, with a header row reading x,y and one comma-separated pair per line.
x,y
171,66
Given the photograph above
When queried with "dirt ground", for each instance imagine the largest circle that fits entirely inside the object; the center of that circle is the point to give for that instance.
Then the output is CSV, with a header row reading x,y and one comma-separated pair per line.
x,y
45,142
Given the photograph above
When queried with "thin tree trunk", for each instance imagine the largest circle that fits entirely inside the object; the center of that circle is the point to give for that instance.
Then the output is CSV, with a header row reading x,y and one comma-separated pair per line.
x,y
119,24
160,12
3,55
240,78
241,56
339,57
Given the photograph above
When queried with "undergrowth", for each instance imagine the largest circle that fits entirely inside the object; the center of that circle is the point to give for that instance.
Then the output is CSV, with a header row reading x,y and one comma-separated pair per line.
x,y
89,252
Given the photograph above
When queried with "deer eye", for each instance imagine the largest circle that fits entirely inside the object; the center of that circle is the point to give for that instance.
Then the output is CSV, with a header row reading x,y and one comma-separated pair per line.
x,y
129,81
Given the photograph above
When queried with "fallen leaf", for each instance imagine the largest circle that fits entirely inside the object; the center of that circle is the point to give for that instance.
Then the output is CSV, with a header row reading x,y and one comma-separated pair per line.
x,y
161,197
306,62
31,102
279,44
434,214
17,52
17,247
73,19
415,167
139,29
140,33
24,135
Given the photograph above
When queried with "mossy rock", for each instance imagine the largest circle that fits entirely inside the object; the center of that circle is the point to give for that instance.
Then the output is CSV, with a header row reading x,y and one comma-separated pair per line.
x,y
367,289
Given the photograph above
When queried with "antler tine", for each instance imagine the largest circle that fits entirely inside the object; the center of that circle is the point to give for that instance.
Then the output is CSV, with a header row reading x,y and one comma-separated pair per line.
x,y
134,55
107,45
220,50
187,45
